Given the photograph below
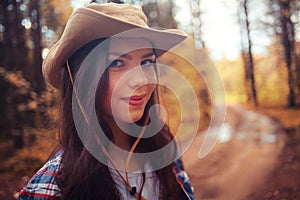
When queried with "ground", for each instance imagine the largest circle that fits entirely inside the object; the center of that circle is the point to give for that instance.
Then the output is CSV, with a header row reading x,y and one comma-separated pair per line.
x,y
257,157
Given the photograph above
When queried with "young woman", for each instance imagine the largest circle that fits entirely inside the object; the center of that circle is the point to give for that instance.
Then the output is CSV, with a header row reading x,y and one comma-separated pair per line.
x,y
105,66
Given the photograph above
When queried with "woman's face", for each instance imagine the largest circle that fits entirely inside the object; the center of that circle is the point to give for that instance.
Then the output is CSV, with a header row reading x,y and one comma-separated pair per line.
x,y
131,78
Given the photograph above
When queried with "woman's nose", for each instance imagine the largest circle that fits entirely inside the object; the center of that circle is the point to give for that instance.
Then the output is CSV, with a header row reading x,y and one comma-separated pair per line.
x,y
138,77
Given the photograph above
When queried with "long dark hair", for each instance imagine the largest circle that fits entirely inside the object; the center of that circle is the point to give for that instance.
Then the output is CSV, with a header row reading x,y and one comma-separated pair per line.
x,y
82,176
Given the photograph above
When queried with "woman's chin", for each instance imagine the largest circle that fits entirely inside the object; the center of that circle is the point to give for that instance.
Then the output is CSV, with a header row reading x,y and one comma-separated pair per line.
x,y
132,118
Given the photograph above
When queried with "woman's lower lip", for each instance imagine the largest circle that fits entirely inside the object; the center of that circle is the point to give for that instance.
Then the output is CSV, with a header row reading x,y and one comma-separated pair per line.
x,y
136,102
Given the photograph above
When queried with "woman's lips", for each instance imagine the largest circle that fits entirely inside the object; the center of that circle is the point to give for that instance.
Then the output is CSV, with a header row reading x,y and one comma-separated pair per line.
x,y
135,100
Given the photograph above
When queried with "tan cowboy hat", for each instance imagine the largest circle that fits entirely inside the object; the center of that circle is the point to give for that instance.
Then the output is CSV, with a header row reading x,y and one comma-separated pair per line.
x,y
102,21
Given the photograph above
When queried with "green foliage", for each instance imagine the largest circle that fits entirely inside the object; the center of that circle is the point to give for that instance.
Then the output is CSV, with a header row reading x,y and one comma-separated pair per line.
x,y
184,64
233,75
270,76
37,115
22,88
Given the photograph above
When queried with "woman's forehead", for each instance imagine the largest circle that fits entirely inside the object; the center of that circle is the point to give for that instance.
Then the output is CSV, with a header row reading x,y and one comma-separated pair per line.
x,y
124,45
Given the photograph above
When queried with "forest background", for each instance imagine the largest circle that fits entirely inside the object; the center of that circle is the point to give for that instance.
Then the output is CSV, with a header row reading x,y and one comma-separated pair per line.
x,y
266,81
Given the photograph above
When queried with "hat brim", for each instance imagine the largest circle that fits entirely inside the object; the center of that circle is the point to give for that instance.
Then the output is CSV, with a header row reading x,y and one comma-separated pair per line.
x,y
85,25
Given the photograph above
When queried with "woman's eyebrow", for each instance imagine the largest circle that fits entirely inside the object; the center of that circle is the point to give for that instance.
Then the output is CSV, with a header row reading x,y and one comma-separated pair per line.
x,y
148,55
127,56
119,54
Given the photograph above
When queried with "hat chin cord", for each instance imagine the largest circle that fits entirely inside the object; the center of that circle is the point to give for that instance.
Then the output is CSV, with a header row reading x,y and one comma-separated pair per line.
x,y
132,189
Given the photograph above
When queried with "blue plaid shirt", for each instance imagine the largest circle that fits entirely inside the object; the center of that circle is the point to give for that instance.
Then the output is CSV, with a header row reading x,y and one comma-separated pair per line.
x,y
42,185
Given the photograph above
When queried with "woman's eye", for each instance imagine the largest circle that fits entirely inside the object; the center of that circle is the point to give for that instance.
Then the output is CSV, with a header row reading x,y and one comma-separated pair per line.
x,y
148,63
115,64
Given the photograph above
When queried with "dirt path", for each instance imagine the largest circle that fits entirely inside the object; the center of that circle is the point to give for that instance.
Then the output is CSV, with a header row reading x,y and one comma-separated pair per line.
x,y
240,165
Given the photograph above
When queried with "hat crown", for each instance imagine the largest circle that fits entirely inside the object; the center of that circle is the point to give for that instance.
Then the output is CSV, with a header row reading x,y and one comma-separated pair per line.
x,y
124,12
96,21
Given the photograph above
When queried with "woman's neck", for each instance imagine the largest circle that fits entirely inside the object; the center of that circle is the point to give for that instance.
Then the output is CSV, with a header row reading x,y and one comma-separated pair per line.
x,y
120,137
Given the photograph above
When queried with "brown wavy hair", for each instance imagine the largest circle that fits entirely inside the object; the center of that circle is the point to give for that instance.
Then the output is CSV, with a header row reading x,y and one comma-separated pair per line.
x,y
82,176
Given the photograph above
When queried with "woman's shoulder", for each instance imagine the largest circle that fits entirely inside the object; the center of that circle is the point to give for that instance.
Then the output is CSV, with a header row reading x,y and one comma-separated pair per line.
x,y
43,184
187,191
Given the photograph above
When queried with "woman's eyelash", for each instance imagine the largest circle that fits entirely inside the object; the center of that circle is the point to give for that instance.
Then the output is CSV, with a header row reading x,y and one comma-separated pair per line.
x,y
148,62
115,63
119,63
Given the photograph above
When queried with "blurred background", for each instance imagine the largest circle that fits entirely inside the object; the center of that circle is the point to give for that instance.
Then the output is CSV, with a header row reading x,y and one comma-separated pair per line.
x,y
255,46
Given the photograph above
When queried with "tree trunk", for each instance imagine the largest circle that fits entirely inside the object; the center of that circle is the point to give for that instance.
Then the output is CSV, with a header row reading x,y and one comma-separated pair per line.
x,y
160,14
36,76
17,40
248,60
197,23
288,42
15,58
